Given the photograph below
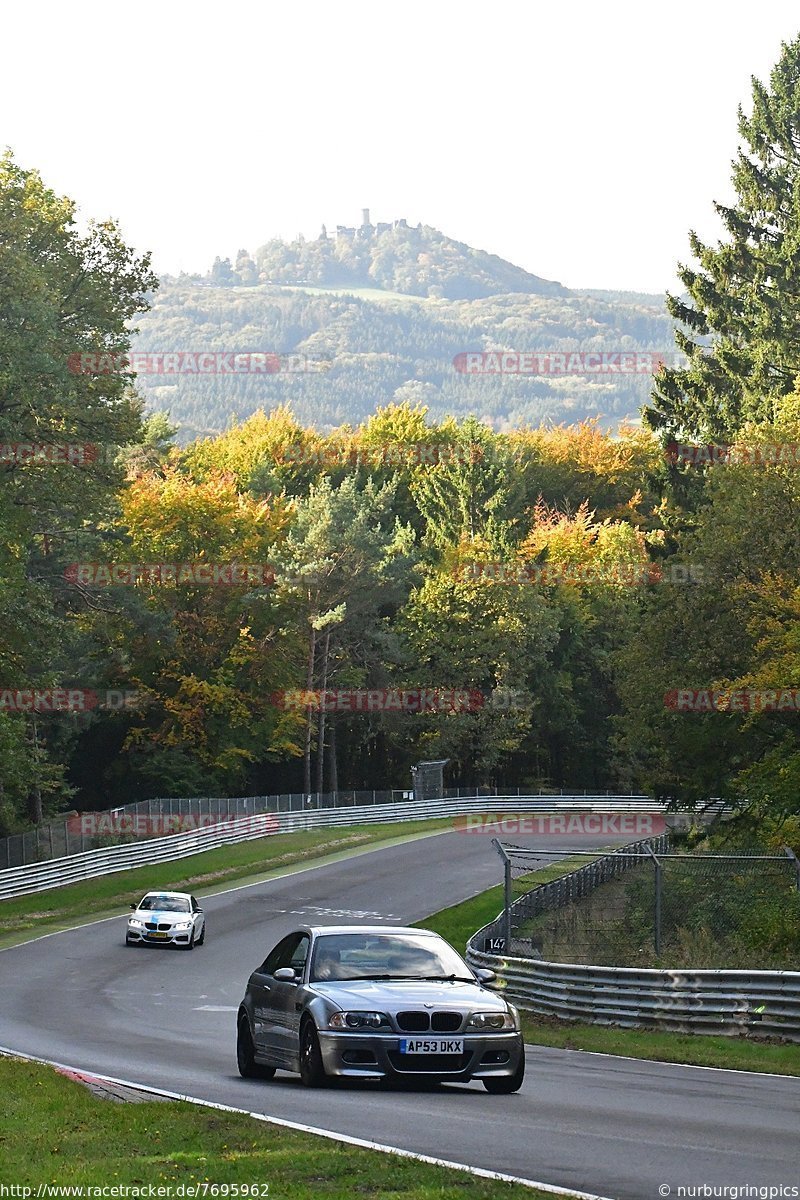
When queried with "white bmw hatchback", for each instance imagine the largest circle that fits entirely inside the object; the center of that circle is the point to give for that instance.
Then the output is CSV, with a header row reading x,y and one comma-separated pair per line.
x,y
166,918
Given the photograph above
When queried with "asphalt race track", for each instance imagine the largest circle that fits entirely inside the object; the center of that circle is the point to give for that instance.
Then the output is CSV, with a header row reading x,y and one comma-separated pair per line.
x,y
165,1018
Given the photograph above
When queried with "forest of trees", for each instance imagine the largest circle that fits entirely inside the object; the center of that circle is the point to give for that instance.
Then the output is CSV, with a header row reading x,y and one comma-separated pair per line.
x,y
590,578
416,261
370,350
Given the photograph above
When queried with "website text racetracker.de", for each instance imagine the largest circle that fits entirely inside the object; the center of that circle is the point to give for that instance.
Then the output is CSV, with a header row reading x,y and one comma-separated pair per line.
x,y
555,824
561,362
137,1191
114,824
191,362
399,700
228,574
66,700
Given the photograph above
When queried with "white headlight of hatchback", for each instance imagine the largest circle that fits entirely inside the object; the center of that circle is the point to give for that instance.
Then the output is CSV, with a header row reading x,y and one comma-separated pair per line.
x,y
135,923
492,1020
359,1020
183,925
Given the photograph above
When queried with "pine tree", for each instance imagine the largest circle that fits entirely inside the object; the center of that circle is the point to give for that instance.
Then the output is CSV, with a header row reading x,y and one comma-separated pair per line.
x,y
741,320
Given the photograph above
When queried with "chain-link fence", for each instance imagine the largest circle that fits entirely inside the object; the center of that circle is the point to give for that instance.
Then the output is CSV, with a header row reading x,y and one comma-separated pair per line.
x,y
647,906
76,832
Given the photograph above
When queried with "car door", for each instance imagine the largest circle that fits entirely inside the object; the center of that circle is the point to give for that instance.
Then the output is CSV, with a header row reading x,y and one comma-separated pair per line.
x,y
285,1003
269,1002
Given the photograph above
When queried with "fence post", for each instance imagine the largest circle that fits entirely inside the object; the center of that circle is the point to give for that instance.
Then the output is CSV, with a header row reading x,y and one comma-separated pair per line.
x,y
790,854
506,893
656,899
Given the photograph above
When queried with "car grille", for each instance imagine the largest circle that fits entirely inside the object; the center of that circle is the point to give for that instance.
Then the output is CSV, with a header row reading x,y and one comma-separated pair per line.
x,y
421,1022
446,1022
413,1022
152,925
438,1064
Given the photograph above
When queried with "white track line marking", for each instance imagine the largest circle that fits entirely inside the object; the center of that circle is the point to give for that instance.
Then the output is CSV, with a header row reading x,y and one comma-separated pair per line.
x,y
362,1143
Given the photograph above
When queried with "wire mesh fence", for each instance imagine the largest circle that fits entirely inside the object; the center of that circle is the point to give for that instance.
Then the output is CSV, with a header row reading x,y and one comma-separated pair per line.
x,y
648,906
74,833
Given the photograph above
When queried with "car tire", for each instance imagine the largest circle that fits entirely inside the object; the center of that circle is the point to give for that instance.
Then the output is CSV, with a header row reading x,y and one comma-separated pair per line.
x,y
246,1054
129,941
312,1069
190,944
504,1085
202,937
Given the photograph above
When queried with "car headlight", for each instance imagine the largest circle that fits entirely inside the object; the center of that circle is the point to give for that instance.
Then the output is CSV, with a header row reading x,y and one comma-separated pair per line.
x,y
492,1020
135,923
183,925
359,1020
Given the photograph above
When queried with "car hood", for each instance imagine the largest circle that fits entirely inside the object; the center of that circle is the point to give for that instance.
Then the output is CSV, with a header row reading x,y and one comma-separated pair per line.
x,y
406,993
147,914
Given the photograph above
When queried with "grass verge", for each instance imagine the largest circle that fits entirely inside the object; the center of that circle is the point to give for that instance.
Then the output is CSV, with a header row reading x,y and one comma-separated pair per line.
x,y
213,870
458,923
57,1132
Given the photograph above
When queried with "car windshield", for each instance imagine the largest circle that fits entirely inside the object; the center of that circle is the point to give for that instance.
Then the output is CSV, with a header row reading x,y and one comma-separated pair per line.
x,y
340,956
165,903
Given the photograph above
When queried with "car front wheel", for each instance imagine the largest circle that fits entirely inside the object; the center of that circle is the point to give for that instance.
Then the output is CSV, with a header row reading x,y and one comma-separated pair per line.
x,y
504,1085
246,1054
312,1071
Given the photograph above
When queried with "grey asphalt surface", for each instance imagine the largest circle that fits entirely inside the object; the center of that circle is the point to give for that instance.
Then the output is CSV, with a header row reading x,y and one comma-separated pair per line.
x,y
166,1018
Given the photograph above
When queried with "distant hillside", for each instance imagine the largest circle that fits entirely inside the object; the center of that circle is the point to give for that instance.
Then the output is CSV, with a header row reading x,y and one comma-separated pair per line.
x,y
415,261
372,326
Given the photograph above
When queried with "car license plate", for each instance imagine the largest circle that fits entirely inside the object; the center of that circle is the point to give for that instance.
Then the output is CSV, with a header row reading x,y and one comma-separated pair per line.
x,y
158,935
432,1046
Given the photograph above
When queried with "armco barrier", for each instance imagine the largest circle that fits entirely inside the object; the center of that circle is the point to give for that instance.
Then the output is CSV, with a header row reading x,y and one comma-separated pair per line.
x,y
765,1003
38,877
61,837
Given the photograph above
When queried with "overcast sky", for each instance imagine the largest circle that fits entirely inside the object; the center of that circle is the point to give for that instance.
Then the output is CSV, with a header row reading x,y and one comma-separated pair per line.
x,y
580,140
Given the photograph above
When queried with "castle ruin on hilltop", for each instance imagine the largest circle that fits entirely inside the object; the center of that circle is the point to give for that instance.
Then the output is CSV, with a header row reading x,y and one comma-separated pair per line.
x,y
366,229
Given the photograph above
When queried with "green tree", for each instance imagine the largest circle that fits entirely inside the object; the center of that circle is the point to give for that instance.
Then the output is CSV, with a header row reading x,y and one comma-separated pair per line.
x,y
741,318
63,294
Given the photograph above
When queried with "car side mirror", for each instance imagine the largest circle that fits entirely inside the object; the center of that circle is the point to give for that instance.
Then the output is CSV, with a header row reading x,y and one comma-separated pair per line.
x,y
285,975
484,974
133,906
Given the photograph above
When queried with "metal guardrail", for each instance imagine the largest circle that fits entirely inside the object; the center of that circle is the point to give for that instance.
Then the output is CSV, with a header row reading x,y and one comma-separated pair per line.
x,y
729,1002
61,838
689,1001
37,877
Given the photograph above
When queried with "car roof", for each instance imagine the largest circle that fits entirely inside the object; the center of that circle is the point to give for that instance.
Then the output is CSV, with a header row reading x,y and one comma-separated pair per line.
x,y
177,895
315,930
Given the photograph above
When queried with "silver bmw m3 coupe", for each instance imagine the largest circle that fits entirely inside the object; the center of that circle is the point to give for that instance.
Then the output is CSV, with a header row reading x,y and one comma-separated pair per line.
x,y
376,1003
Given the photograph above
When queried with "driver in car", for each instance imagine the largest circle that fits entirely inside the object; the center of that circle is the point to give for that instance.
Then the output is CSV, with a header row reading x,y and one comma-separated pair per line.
x,y
328,964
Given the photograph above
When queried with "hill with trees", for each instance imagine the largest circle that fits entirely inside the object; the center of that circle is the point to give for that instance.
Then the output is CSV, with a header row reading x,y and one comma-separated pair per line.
x,y
369,319
579,586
